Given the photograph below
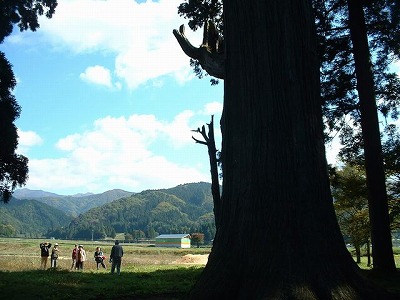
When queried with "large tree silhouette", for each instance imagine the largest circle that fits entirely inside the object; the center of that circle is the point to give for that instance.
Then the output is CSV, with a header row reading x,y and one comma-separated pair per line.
x,y
14,167
278,236
349,40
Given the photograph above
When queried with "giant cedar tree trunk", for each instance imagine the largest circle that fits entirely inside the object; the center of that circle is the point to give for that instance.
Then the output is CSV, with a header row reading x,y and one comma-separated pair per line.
x,y
377,197
278,237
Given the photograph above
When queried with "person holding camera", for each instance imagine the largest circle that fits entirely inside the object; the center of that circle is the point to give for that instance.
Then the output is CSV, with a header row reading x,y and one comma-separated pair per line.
x,y
44,254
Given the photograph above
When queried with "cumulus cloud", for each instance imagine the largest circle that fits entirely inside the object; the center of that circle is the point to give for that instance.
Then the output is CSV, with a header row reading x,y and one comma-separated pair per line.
x,y
97,75
27,139
139,35
213,108
122,152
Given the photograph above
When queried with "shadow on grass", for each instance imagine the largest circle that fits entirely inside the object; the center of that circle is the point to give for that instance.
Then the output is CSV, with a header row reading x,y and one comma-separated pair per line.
x,y
62,284
170,284
390,282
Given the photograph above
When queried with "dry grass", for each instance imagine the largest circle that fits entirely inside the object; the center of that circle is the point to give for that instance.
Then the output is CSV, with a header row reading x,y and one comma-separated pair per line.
x,y
24,255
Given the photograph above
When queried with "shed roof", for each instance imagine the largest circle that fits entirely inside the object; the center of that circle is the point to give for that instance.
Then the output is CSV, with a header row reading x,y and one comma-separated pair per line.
x,y
173,236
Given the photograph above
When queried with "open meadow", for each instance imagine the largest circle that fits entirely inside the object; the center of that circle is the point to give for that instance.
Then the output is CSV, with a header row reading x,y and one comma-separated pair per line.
x,y
147,272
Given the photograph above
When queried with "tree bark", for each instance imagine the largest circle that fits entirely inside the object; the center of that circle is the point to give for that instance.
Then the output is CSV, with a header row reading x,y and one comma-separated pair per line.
x,y
381,239
368,246
358,253
278,237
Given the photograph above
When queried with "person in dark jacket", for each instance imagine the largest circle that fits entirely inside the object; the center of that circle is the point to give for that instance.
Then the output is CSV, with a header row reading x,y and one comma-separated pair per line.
x,y
116,257
44,254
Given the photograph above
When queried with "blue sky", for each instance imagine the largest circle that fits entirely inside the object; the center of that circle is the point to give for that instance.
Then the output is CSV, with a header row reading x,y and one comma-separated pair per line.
x,y
109,99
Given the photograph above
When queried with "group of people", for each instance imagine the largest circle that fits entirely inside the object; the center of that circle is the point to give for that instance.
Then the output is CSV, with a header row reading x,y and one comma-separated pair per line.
x,y
79,256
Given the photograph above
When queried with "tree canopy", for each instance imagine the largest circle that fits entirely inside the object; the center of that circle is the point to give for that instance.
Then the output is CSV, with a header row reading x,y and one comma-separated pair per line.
x,y
23,13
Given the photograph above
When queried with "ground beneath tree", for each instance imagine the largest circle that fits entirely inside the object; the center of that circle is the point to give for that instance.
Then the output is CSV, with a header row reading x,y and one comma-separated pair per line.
x,y
193,259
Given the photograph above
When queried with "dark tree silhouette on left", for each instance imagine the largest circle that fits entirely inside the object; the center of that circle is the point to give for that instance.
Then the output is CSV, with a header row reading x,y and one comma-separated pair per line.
x,y
14,167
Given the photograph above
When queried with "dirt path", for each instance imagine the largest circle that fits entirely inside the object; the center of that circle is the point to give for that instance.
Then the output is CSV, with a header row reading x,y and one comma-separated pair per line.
x,y
195,259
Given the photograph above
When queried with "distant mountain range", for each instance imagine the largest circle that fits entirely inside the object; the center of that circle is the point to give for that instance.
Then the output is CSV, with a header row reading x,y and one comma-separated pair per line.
x,y
72,205
31,194
184,208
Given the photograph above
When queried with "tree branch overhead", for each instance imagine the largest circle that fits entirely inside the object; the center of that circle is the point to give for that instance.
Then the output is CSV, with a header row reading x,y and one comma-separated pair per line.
x,y
210,59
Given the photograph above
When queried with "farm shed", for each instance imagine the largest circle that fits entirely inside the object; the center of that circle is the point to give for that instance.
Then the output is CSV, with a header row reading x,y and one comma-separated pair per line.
x,y
181,240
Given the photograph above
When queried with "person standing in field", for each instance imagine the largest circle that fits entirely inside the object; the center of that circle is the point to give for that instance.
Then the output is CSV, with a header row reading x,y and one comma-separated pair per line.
x,y
44,254
116,257
54,256
80,257
99,258
74,256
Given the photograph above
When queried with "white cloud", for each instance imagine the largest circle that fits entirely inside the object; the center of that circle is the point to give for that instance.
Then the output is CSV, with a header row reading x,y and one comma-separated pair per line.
x,y
179,131
120,153
97,75
139,35
213,108
27,139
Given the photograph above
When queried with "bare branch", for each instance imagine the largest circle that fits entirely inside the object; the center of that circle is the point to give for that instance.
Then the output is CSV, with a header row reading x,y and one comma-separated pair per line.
x,y
199,142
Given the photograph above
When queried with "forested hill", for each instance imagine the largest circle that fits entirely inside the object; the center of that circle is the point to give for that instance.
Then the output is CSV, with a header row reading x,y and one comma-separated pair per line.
x,y
29,218
72,205
186,208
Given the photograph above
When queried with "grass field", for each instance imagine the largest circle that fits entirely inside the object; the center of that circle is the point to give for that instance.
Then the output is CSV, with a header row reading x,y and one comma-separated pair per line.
x,y
147,272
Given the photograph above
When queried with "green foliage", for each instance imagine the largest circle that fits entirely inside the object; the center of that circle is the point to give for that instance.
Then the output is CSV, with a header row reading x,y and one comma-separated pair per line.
x,y
23,13
7,230
391,150
13,167
351,203
338,82
31,218
149,213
